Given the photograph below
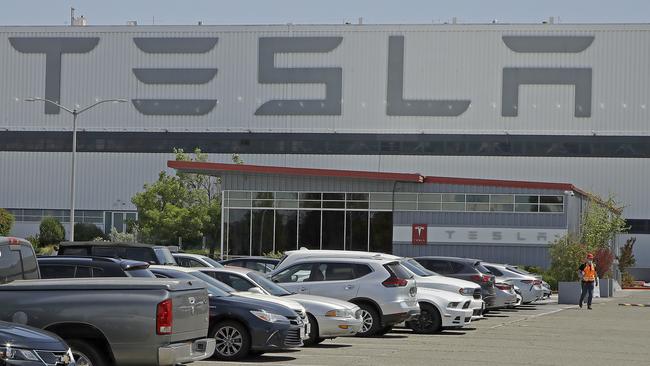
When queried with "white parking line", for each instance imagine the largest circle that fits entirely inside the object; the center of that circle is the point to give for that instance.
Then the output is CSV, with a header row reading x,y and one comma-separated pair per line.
x,y
531,317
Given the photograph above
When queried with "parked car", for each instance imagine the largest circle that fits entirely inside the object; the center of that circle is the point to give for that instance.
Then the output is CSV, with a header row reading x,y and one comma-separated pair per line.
x,y
242,326
328,317
152,254
21,345
547,292
505,295
90,315
422,276
382,288
86,267
260,264
440,310
195,260
529,286
464,269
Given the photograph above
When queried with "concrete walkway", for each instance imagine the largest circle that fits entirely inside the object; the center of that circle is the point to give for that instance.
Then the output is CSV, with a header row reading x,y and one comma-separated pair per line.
x,y
544,334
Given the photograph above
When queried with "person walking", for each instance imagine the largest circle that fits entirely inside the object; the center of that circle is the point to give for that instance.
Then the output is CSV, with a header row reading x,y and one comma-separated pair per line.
x,y
589,278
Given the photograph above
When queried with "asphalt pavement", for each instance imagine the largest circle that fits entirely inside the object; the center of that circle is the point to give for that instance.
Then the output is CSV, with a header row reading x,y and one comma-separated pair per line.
x,y
540,334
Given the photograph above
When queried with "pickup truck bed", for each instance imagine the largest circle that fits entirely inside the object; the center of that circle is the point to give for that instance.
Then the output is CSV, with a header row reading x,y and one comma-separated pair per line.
x,y
117,316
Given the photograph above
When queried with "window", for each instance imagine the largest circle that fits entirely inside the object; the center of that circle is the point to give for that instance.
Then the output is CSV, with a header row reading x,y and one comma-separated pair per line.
x,y
356,230
298,273
333,233
309,229
195,263
478,202
141,254
396,269
57,271
453,202
83,272
438,266
235,281
286,230
98,272
494,271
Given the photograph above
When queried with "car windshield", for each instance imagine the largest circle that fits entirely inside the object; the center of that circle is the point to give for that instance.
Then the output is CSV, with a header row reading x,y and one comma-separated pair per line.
x,y
267,284
164,256
518,270
214,285
415,267
212,262
140,273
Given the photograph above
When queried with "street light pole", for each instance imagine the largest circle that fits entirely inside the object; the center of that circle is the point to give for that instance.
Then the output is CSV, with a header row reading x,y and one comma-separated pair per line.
x,y
74,112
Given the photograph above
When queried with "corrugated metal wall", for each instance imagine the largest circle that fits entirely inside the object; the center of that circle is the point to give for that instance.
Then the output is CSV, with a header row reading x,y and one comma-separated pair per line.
x,y
454,62
527,255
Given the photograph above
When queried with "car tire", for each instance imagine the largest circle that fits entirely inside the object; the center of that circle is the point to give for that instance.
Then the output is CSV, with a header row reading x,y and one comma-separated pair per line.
x,y
320,340
86,353
232,341
385,330
313,333
371,322
428,322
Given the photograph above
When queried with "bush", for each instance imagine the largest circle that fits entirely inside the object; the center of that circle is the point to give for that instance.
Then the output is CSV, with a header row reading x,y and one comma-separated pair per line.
x,y
603,258
87,232
47,250
6,222
35,240
276,255
51,231
627,279
567,254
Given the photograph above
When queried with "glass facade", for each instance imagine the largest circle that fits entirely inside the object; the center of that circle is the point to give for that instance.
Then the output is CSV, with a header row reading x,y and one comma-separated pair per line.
x,y
261,222
105,220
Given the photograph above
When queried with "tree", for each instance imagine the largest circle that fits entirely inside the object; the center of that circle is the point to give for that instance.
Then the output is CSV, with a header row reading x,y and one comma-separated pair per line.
x,y
6,222
51,232
626,260
87,232
167,210
602,221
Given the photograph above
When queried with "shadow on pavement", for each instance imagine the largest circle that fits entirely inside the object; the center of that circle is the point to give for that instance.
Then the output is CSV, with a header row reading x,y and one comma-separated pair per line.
x,y
264,359
328,345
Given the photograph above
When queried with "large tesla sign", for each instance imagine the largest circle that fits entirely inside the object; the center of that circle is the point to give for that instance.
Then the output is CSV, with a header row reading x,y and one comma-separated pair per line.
x,y
513,76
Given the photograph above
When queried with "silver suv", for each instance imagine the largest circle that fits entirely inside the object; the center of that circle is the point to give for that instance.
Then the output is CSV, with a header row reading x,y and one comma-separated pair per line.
x,y
383,289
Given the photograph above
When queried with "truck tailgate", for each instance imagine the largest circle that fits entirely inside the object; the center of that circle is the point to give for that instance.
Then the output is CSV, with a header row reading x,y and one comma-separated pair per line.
x,y
191,310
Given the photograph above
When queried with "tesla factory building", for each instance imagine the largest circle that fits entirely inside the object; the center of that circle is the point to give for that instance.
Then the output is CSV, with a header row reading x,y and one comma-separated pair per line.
x,y
549,107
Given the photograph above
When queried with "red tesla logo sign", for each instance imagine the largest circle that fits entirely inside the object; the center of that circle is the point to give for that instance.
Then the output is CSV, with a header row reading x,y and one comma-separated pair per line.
x,y
419,234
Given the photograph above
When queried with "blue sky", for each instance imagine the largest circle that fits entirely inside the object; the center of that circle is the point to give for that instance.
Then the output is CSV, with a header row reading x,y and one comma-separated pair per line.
x,y
100,12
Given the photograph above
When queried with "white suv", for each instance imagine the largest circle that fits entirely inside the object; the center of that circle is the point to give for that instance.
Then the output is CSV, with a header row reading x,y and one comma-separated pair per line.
x,y
382,288
423,277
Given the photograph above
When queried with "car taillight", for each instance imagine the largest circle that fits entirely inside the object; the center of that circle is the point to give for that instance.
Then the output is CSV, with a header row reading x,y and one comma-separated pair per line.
x,y
164,317
395,282
537,282
481,278
504,287
528,282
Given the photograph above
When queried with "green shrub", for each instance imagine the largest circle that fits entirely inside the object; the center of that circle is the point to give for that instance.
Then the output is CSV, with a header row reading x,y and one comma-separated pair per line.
x,y
46,250
87,232
6,222
35,240
276,255
51,231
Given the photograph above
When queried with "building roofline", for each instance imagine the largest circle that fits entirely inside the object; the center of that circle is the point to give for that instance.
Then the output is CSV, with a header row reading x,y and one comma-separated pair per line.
x,y
212,168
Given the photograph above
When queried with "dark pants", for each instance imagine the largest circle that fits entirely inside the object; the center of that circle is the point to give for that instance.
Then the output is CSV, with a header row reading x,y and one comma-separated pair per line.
x,y
587,289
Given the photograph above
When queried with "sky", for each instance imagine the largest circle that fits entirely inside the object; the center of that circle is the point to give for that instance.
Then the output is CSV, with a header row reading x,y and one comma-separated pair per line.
x,y
168,12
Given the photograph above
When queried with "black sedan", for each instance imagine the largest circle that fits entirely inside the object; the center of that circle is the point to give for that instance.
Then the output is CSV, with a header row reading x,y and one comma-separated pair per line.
x,y
243,326
27,346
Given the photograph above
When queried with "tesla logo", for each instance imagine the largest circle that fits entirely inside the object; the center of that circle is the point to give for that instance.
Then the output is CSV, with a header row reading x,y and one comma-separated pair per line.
x,y
419,234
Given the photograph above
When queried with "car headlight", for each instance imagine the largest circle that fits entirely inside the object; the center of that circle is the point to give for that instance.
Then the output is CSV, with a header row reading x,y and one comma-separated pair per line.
x,y
8,353
269,317
343,313
453,304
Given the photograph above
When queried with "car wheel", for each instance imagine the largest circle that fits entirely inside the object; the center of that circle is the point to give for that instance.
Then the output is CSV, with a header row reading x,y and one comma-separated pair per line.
x,y
232,341
86,354
429,320
370,322
313,333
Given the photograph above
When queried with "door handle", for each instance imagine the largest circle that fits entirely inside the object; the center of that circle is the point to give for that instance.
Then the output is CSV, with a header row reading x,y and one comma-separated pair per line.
x,y
303,289
349,287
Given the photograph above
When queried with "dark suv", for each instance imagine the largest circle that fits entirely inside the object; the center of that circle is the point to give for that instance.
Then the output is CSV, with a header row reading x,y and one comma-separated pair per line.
x,y
464,269
21,345
85,267
152,254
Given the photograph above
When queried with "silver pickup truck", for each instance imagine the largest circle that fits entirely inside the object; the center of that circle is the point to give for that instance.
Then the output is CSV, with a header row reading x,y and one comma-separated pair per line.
x,y
108,321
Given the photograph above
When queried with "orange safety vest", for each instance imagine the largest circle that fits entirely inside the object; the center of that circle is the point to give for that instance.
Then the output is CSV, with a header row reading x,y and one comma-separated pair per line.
x,y
589,273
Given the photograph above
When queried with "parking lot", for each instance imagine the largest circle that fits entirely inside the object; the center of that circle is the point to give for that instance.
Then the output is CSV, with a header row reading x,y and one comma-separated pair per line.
x,y
542,334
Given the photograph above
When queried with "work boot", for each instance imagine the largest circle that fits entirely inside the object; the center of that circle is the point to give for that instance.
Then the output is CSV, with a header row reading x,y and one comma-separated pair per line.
x,y
588,307
580,305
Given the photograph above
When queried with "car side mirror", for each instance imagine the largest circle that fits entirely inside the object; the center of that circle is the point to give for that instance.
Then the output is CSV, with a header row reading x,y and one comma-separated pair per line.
x,y
256,290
